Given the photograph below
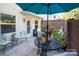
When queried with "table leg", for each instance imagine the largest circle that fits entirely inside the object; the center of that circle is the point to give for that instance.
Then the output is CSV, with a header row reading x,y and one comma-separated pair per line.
x,y
4,50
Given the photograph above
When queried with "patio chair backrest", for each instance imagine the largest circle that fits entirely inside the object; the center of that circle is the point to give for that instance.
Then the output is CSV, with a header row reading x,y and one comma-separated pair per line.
x,y
13,36
22,34
6,36
38,42
3,37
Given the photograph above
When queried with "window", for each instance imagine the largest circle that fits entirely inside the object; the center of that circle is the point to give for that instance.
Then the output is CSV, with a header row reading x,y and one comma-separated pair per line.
x,y
36,24
24,20
28,27
5,18
7,28
8,20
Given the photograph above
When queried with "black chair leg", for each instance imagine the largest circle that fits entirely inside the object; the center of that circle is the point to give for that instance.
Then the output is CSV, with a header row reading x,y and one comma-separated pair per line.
x,y
38,51
43,52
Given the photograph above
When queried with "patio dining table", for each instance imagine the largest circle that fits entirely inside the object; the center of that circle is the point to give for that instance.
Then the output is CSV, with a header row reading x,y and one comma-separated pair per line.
x,y
4,44
53,45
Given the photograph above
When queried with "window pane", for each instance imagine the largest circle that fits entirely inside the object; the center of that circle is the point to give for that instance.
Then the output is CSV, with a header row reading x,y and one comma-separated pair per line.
x,y
36,26
7,28
5,18
36,22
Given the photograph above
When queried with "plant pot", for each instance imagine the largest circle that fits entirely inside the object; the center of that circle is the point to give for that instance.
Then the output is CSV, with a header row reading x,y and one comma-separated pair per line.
x,y
64,48
43,39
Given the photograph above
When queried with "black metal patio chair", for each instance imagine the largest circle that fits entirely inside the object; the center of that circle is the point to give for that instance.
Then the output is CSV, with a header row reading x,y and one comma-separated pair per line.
x,y
14,40
39,45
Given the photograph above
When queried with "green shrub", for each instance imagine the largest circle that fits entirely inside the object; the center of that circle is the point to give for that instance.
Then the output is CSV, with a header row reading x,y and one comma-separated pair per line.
x,y
43,34
55,33
63,41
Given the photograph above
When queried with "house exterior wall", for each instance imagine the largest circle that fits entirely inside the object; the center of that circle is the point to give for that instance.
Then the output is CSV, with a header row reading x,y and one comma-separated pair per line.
x,y
32,20
21,26
11,9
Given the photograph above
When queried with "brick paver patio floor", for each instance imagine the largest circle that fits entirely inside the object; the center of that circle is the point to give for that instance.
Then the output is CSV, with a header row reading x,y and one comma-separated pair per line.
x,y
27,48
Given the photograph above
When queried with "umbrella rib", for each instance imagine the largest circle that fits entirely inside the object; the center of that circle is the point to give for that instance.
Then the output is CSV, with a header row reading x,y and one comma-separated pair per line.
x,y
29,6
62,7
49,10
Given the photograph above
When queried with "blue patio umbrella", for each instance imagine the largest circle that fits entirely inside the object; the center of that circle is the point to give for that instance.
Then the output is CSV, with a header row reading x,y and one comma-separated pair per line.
x,y
48,8
41,8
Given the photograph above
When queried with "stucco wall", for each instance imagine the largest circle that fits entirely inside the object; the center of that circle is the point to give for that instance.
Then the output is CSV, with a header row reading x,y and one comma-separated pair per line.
x,y
32,20
14,9
11,9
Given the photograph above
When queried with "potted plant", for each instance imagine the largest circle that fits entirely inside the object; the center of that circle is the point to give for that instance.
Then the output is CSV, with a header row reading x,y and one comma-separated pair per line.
x,y
56,35
43,37
64,43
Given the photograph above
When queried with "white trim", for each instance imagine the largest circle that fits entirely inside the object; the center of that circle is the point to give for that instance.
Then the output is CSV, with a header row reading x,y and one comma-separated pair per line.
x,y
39,1
31,14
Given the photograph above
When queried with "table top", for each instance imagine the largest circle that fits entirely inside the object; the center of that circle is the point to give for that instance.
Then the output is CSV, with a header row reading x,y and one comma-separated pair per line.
x,y
3,43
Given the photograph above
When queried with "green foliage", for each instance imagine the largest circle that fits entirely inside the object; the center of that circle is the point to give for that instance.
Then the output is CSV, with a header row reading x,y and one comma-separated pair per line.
x,y
77,16
55,33
43,34
63,41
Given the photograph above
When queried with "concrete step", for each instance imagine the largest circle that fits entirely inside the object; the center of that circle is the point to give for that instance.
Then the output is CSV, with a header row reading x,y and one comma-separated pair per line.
x,y
67,54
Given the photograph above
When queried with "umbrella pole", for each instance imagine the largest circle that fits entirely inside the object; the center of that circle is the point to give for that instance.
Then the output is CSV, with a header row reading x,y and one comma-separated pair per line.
x,y
47,20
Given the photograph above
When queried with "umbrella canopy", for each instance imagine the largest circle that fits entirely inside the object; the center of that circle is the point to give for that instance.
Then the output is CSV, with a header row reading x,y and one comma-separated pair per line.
x,y
41,8
48,8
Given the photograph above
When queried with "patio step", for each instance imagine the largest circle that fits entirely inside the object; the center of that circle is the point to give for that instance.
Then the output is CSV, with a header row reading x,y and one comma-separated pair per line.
x,y
67,54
